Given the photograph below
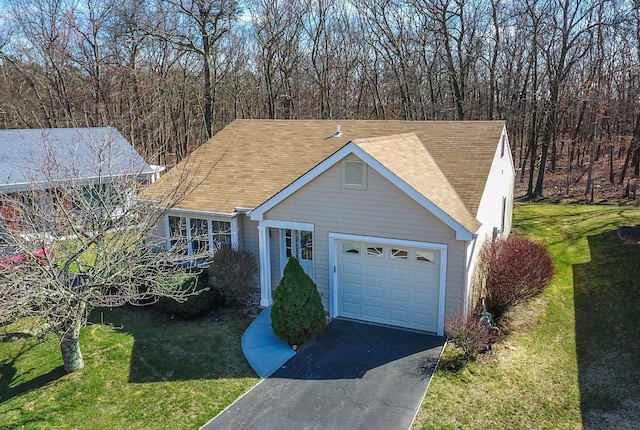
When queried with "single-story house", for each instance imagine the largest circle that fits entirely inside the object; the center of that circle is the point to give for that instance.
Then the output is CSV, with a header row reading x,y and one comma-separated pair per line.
x,y
35,163
387,217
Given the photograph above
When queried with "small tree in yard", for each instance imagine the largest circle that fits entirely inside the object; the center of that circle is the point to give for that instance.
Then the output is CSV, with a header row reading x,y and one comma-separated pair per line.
x,y
79,244
514,270
297,313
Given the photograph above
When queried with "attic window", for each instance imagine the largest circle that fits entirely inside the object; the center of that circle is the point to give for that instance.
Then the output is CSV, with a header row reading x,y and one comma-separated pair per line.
x,y
353,174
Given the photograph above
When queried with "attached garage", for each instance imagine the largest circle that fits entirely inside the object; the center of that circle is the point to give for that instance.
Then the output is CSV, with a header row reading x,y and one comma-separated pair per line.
x,y
394,282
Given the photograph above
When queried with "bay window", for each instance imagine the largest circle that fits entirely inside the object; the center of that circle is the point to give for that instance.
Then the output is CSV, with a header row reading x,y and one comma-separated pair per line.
x,y
191,236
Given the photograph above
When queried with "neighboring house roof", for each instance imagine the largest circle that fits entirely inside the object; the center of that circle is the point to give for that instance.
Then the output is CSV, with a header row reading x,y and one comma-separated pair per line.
x,y
249,161
29,156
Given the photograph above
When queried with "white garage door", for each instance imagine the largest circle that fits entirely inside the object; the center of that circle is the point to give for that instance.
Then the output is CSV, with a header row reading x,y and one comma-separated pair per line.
x,y
389,284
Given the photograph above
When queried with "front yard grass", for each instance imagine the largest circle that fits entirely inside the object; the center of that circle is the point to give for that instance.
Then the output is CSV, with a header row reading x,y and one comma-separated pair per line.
x,y
572,359
143,370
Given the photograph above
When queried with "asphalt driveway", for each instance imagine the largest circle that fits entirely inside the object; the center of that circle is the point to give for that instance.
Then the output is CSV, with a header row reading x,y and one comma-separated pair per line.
x,y
352,376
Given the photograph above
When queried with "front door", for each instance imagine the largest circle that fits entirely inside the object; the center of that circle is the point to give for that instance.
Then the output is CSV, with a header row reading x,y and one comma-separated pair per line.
x,y
299,244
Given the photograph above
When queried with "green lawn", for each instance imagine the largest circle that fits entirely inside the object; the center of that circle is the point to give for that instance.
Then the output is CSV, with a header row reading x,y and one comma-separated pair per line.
x,y
143,371
572,359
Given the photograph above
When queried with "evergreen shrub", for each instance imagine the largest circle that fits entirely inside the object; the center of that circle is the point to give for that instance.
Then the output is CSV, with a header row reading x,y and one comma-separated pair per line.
x,y
297,314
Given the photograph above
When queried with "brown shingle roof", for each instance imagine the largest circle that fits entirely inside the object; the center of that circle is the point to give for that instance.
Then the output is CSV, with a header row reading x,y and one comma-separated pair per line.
x,y
254,159
406,156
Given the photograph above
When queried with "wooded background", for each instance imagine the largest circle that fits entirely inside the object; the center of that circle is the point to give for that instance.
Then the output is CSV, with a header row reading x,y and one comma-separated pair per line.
x,y
564,74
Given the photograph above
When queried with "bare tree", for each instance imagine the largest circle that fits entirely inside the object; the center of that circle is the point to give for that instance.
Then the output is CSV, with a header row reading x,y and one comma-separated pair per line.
x,y
77,238
393,31
199,28
457,25
278,29
569,29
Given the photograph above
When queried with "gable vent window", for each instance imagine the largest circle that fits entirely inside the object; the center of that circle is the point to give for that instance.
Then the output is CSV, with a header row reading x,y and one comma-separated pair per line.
x,y
353,174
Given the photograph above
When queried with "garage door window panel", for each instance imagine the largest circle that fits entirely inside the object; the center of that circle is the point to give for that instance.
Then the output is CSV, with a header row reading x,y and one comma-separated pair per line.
x,y
400,254
425,256
350,248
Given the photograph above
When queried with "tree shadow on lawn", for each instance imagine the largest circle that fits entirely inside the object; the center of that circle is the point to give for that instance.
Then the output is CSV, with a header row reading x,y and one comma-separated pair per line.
x,y
607,314
168,349
9,373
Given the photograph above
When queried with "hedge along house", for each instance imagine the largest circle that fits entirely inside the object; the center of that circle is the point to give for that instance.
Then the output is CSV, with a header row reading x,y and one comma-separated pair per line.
x,y
387,217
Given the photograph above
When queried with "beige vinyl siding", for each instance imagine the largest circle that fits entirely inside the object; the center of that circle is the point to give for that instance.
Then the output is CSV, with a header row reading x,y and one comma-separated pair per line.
x,y
380,210
499,184
249,235
248,239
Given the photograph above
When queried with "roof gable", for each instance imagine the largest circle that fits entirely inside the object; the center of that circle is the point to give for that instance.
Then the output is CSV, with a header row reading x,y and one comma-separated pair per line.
x,y
403,160
406,157
30,156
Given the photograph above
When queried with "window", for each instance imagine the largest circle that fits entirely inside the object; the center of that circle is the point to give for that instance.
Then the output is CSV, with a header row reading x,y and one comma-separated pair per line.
x,y
426,256
221,232
354,173
400,254
199,235
298,243
504,214
306,245
288,243
193,235
350,248
374,251
178,233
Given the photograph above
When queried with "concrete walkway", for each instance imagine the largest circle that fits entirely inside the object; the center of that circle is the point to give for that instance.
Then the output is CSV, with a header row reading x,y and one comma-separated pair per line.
x,y
264,351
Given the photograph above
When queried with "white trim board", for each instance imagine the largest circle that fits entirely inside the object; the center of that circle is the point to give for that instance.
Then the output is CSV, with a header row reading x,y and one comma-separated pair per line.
x,y
291,225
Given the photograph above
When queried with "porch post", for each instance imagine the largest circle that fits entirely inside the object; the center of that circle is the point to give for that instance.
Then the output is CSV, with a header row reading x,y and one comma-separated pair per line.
x,y
265,266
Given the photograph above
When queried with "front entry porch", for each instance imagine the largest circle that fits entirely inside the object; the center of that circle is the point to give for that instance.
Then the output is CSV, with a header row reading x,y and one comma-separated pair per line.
x,y
291,239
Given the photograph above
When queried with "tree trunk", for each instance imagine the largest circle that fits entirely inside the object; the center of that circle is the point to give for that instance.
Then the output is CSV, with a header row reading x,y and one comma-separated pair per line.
x,y
70,343
550,126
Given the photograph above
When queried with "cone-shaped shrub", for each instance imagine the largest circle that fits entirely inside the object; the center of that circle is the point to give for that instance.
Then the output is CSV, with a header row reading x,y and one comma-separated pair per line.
x,y
297,313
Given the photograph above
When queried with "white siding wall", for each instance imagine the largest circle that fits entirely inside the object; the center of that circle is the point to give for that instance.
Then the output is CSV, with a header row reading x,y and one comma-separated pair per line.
x,y
499,188
381,210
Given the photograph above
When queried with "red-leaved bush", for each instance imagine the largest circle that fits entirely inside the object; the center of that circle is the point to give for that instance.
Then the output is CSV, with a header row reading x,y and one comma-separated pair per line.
x,y
514,269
